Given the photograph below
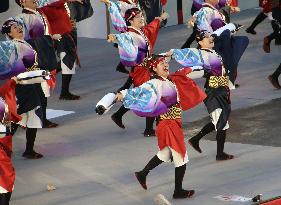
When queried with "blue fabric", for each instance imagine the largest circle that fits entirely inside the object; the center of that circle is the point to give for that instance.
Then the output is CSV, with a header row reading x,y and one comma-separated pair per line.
x,y
6,49
141,98
117,19
188,57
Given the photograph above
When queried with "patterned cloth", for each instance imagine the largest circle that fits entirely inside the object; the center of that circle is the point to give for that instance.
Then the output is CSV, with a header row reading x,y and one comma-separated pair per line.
x,y
208,60
209,18
15,57
117,12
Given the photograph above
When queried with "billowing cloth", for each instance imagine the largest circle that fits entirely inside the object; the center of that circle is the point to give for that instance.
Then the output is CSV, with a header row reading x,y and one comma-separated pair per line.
x,y
132,48
229,52
169,133
189,94
57,17
46,54
157,95
209,18
135,45
7,176
151,98
117,12
32,24
79,11
15,57
231,48
192,57
8,93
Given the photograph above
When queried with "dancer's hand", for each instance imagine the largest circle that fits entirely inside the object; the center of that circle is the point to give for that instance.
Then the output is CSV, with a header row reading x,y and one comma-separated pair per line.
x,y
111,38
56,37
234,9
191,22
15,79
163,16
170,53
107,2
119,97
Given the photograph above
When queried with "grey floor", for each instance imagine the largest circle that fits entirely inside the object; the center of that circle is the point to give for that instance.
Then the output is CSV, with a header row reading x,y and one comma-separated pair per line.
x,y
91,161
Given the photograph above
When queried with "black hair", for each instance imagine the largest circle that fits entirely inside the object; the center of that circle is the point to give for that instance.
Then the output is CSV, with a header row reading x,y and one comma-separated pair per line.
x,y
6,28
129,13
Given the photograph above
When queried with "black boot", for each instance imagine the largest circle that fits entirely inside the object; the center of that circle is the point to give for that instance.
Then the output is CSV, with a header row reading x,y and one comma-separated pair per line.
x,y
179,192
257,21
141,176
194,141
29,152
117,117
46,123
5,198
65,94
274,78
121,68
149,131
221,155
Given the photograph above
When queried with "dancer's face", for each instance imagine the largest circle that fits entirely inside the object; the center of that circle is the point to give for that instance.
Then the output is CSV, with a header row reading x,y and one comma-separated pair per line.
x,y
16,31
138,21
162,68
207,42
31,4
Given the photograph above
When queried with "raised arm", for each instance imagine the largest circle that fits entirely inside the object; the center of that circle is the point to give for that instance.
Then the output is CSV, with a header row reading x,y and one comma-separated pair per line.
x,y
131,53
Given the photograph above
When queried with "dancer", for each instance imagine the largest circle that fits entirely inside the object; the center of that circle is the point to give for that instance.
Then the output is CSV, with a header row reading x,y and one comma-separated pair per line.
x,y
36,27
8,114
197,5
58,21
216,88
28,96
165,95
276,14
143,38
266,9
276,25
208,18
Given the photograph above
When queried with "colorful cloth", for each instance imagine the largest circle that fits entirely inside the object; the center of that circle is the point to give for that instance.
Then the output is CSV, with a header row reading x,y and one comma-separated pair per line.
x,y
209,18
135,45
7,176
157,95
15,57
117,12
209,60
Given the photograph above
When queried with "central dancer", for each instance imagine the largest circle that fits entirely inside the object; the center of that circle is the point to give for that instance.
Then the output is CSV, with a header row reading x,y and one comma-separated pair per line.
x,y
142,39
165,96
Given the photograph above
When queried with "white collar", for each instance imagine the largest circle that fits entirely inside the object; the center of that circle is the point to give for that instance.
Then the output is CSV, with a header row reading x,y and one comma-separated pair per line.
x,y
19,40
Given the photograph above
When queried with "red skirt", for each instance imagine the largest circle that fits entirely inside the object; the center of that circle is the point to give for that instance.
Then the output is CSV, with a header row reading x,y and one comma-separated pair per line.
x,y
7,171
170,134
